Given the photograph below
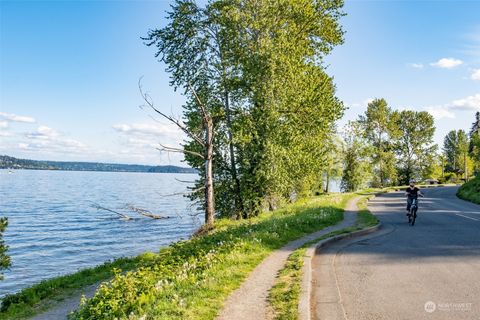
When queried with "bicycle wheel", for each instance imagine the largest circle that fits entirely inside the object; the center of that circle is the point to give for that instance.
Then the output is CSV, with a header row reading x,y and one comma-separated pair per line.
x,y
414,215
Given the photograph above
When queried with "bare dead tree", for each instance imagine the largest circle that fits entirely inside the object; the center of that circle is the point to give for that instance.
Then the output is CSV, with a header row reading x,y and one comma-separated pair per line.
x,y
206,142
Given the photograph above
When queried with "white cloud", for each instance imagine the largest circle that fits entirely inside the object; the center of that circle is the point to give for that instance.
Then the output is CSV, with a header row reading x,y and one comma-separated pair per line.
x,y
46,139
475,75
145,138
362,104
5,134
416,65
43,132
16,118
447,63
3,124
440,112
468,103
48,132
159,129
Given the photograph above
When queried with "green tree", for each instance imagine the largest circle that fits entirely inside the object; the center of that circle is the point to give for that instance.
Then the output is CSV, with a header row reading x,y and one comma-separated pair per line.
x,y
334,162
4,258
357,170
292,106
474,145
379,129
414,144
450,148
456,148
257,67
464,161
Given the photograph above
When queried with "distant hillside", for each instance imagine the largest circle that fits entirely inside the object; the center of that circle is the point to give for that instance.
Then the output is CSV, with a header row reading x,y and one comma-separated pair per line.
x,y
7,162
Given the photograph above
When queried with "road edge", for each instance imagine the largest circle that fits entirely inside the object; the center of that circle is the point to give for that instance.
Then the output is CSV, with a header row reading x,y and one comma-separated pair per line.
x,y
304,307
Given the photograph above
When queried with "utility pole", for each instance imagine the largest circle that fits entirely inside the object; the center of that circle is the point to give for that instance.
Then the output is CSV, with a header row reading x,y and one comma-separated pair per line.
x,y
443,167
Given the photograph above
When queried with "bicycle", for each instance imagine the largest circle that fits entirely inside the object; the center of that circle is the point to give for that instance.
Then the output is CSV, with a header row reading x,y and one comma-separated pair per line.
x,y
413,212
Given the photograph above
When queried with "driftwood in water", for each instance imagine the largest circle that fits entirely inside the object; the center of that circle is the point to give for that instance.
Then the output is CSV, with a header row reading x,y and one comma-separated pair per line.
x,y
145,212
99,207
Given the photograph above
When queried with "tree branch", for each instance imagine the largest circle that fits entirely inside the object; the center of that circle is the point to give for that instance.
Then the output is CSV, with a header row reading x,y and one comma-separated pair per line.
x,y
148,100
178,150
206,117
182,193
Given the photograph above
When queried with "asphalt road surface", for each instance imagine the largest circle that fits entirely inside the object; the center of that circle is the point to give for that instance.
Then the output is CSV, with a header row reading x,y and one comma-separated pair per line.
x,y
428,271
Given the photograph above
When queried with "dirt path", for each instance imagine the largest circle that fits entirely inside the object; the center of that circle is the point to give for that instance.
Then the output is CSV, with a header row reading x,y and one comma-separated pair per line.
x,y
63,308
250,300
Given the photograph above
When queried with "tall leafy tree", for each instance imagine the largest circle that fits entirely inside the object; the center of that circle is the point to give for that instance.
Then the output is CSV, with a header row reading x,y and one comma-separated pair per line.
x,y
414,144
291,103
379,129
474,145
257,66
456,148
334,162
450,148
357,170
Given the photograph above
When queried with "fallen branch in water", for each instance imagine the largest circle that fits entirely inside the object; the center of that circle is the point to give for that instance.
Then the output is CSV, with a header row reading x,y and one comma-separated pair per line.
x,y
145,212
99,207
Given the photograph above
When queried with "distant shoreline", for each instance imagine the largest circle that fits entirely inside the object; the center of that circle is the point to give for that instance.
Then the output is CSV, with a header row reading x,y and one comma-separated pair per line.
x,y
72,170
11,163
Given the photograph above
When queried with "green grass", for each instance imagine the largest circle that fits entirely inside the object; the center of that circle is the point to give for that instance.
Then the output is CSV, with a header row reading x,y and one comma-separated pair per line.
x,y
187,280
285,294
470,191
43,295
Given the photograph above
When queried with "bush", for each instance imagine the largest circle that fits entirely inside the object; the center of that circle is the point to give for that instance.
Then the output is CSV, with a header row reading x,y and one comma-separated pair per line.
x,y
470,191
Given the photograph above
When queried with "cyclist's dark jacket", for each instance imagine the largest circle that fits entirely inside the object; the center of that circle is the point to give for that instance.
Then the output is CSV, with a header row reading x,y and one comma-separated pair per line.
x,y
412,193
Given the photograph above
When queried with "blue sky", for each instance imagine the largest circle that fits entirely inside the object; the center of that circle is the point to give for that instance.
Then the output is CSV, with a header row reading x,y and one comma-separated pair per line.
x,y
69,72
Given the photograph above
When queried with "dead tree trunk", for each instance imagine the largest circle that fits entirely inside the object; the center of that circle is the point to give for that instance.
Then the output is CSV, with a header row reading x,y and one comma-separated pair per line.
x,y
209,197
206,142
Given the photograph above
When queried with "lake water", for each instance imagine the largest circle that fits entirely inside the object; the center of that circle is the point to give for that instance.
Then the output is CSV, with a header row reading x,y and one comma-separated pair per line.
x,y
54,229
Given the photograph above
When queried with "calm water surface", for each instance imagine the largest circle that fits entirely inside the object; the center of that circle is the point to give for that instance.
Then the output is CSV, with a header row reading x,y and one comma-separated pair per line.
x,y
54,229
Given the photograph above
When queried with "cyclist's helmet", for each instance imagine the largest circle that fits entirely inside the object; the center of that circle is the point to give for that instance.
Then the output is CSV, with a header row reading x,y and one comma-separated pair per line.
x,y
412,182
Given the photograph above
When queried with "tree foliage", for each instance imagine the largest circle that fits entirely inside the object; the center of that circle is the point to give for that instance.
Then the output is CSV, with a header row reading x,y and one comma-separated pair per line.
x,y
474,144
357,152
379,128
414,145
258,66
456,147
4,258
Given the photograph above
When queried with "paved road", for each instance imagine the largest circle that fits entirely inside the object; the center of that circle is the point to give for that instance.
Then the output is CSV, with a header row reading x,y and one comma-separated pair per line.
x,y
429,271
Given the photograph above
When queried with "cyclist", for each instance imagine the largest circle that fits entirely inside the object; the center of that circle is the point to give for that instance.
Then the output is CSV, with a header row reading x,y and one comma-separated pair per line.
x,y
412,192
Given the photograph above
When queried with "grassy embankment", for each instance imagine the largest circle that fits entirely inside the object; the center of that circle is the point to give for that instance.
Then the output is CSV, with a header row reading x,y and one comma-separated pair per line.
x,y
284,295
187,280
470,191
